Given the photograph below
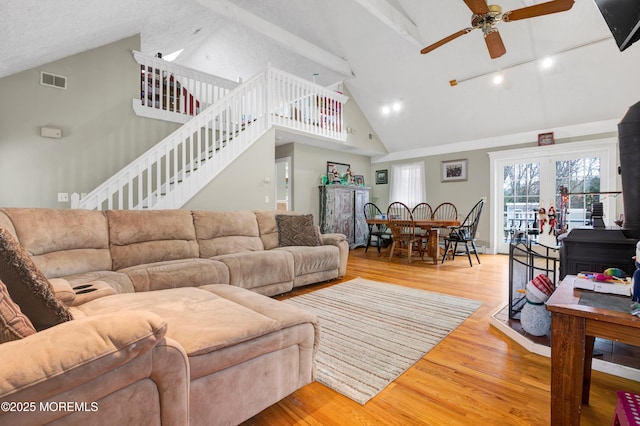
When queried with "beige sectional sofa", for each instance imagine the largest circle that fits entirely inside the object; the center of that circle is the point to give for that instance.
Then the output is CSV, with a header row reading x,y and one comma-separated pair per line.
x,y
164,326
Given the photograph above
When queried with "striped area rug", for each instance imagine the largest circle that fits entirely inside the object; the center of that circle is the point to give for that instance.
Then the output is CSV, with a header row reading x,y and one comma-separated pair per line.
x,y
371,332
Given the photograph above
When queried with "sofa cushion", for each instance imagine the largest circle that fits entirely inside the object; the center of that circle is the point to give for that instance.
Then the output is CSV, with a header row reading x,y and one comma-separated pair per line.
x,y
297,230
220,232
307,260
28,286
268,226
228,323
267,272
140,237
62,242
177,273
14,324
202,321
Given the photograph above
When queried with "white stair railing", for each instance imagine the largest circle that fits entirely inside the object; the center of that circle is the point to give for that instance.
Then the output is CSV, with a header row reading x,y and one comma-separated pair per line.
x,y
173,171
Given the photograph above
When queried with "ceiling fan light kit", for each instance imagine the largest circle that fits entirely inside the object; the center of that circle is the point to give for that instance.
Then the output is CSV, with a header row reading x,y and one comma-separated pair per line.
x,y
485,17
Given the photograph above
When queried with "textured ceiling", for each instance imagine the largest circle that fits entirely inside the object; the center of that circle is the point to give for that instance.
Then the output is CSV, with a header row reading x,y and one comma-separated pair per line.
x,y
592,81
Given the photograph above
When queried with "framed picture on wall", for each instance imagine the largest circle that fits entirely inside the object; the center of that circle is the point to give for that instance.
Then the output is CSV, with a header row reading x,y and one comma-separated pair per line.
x,y
358,180
454,171
545,139
382,177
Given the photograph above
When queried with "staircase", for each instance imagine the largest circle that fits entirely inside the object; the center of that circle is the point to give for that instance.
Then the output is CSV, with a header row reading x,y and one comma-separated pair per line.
x,y
220,123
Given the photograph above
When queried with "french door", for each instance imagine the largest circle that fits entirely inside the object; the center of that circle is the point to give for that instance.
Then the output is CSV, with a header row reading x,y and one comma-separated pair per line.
x,y
563,177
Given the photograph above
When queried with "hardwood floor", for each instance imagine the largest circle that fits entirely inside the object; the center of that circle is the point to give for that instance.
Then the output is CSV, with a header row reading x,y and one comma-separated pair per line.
x,y
475,376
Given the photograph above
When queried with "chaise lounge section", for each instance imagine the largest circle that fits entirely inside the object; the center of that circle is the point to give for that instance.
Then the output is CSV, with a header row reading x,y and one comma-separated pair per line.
x,y
191,284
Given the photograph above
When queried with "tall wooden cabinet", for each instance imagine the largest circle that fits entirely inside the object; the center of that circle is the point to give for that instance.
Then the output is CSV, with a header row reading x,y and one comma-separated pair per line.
x,y
342,211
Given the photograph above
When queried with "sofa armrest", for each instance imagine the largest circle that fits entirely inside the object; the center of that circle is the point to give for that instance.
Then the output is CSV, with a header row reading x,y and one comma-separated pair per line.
x,y
340,241
76,351
332,239
63,291
118,368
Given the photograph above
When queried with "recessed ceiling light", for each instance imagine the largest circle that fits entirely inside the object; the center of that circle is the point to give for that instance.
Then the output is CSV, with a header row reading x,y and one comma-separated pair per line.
x,y
498,79
396,106
386,110
547,62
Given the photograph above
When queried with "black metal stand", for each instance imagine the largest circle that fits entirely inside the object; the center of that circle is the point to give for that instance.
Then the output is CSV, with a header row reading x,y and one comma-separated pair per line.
x,y
527,260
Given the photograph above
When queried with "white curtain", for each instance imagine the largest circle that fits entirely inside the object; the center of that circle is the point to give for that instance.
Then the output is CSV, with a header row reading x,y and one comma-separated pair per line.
x,y
407,184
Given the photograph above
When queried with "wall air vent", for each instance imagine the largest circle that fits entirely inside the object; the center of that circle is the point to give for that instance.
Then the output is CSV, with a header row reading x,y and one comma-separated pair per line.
x,y
52,80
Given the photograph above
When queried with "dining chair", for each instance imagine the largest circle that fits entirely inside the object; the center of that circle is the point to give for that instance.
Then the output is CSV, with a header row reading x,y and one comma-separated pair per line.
x,y
422,211
445,211
403,230
465,233
380,231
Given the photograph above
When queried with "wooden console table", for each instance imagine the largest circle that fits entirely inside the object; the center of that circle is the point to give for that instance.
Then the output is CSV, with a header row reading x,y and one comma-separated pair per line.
x,y
574,328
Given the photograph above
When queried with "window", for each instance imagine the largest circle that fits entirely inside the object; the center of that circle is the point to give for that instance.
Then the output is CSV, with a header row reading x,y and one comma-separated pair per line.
x,y
407,184
580,178
521,200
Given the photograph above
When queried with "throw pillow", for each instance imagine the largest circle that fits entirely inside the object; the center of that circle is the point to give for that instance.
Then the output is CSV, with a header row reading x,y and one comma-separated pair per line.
x,y
297,230
13,324
28,286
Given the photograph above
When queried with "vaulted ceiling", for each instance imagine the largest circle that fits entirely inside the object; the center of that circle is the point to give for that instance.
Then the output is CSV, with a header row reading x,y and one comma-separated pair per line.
x,y
373,46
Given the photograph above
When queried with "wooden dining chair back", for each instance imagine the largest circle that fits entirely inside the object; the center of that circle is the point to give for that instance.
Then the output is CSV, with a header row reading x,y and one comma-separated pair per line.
x,y
380,232
465,233
445,211
403,230
422,211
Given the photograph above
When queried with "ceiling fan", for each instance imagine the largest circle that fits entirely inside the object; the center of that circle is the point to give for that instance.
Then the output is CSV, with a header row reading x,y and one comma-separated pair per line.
x,y
486,16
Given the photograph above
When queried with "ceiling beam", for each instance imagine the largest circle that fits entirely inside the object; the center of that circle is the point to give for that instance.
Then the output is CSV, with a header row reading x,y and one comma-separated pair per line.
x,y
283,37
388,14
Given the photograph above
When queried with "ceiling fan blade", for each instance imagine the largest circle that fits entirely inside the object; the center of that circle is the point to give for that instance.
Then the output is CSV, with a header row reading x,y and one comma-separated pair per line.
x,y
446,40
547,8
479,7
495,44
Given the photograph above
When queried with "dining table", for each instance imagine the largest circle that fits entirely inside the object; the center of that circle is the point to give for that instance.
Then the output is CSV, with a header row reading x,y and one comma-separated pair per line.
x,y
432,226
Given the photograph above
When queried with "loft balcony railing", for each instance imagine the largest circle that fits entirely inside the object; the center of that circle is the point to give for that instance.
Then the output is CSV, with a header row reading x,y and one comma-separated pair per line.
x,y
176,93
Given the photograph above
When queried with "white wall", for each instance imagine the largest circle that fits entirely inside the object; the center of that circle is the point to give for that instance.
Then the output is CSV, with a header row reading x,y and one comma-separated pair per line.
x,y
360,133
242,185
101,134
